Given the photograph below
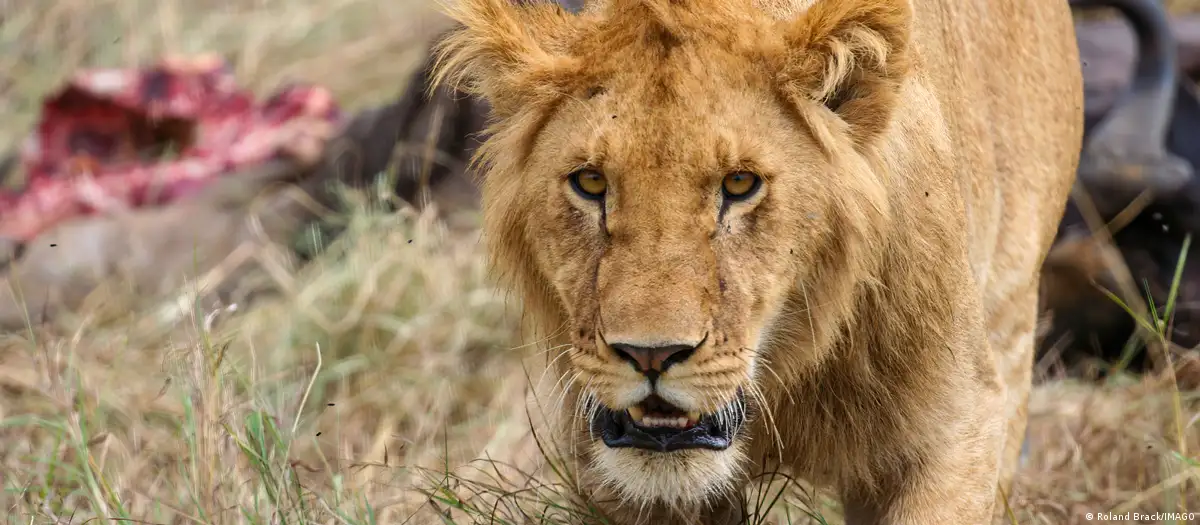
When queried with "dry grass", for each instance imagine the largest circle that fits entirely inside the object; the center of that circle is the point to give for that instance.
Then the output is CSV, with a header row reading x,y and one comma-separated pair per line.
x,y
358,393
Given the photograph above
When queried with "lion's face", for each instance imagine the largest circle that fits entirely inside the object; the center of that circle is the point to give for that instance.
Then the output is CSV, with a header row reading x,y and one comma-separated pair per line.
x,y
672,228
660,210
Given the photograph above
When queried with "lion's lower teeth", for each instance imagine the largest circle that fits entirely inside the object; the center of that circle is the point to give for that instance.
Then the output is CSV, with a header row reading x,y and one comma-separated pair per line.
x,y
639,416
665,422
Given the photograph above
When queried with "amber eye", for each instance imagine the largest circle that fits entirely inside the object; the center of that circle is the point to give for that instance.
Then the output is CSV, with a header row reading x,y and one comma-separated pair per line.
x,y
740,185
589,184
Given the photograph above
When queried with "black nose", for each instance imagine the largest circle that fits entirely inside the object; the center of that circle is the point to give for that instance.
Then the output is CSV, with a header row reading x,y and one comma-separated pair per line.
x,y
653,360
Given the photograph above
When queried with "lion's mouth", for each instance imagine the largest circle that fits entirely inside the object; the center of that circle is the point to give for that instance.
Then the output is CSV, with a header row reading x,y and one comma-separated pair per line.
x,y
655,424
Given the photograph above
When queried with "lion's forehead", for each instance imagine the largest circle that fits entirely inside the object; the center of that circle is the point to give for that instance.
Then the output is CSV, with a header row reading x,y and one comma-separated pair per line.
x,y
654,138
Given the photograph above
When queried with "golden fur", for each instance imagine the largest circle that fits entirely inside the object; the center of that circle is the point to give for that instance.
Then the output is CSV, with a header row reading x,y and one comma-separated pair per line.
x,y
876,299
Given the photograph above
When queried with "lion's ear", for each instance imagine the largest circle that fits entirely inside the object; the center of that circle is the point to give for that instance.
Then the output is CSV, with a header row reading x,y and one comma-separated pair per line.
x,y
511,53
851,56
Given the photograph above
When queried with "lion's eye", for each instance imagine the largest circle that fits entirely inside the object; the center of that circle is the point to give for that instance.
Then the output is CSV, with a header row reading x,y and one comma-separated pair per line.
x,y
740,185
589,184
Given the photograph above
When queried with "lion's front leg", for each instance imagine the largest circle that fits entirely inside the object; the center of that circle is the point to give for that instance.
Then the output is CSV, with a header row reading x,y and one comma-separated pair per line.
x,y
951,478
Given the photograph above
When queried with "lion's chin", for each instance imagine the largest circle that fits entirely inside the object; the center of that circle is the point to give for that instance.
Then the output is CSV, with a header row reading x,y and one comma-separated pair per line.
x,y
655,452
682,479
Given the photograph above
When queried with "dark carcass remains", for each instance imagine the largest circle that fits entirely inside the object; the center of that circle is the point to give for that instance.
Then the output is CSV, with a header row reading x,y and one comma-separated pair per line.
x,y
1136,202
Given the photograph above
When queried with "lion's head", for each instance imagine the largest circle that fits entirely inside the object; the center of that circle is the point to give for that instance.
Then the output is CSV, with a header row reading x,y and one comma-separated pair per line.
x,y
671,185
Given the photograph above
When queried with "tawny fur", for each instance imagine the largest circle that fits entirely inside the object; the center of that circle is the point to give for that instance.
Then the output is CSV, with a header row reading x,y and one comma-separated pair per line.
x,y
876,299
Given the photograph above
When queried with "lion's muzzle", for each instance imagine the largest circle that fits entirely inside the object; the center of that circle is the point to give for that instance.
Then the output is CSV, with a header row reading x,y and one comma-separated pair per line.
x,y
656,425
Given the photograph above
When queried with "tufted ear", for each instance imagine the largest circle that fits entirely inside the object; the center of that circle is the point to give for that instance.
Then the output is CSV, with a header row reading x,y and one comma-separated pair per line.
x,y
514,54
851,56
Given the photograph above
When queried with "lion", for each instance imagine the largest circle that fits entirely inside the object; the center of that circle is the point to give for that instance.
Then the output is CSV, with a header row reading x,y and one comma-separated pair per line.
x,y
803,234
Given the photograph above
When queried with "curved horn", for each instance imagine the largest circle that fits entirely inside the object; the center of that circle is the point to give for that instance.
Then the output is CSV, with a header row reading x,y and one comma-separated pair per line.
x,y
1126,152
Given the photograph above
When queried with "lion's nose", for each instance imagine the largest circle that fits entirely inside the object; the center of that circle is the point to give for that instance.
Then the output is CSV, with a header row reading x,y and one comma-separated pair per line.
x,y
653,360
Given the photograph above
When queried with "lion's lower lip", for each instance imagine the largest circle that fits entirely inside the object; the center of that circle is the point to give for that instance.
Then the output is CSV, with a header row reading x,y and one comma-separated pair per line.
x,y
618,430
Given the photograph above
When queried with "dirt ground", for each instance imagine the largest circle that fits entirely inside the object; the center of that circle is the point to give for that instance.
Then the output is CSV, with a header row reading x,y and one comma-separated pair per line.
x,y
360,391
